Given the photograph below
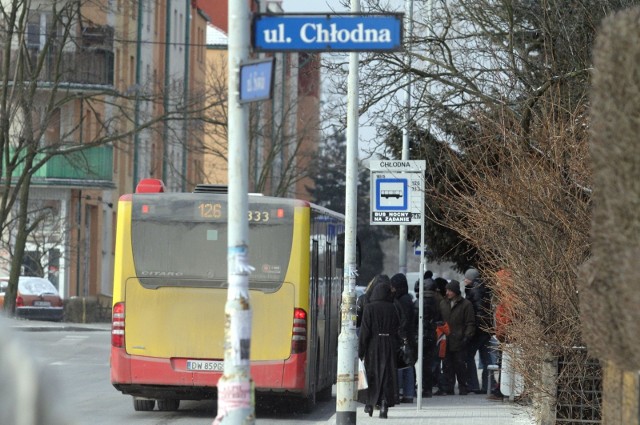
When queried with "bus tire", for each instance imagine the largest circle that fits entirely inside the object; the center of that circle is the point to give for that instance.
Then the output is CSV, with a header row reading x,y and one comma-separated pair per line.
x,y
309,403
324,394
143,404
168,405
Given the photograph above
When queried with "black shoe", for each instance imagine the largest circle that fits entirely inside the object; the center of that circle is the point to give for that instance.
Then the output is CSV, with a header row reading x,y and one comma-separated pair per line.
x,y
406,400
440,392
479,391
384,409
427,394
463,392
368,409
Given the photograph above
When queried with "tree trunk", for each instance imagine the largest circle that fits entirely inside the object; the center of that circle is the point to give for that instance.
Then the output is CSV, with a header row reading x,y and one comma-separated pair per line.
x,y
18,252
547,400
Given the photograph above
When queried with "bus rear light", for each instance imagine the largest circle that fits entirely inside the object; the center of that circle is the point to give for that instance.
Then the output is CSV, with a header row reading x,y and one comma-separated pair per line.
x,y
299,334
117,326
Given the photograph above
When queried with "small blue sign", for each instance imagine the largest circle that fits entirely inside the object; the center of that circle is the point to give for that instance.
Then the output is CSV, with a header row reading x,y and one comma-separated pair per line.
x,y
391,195
322,32
256,80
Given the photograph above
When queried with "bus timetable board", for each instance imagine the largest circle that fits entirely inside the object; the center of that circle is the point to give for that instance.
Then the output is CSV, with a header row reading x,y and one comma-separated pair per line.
x,y
397,192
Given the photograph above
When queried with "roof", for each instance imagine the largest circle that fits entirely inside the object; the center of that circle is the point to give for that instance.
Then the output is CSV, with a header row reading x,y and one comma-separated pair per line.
x,y
215,36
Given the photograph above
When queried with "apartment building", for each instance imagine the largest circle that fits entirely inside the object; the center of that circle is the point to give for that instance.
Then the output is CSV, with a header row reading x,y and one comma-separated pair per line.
x,y
120,79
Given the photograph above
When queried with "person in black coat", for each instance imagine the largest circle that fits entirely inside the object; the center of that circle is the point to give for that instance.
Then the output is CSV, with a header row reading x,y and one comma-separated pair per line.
x,y
480,296
364,298
377,345
430,319
407,332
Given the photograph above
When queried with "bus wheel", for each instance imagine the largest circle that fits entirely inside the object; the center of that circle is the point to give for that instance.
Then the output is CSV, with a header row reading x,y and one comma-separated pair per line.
x,y
143,404
309,403
324,394
168,405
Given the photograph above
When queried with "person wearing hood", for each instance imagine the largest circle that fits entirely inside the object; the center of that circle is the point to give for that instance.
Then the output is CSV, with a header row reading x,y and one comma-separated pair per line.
x,y
377,346
458,313
430,318
406,332
364,298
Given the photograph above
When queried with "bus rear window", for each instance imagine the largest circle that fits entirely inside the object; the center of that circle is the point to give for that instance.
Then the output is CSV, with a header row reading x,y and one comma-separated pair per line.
x,y
188,247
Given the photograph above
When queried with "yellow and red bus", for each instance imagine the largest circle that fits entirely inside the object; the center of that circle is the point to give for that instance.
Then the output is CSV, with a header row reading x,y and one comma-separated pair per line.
x,y
169,293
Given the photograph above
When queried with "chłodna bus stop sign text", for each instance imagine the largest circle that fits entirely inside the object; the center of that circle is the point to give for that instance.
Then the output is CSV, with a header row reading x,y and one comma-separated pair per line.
x,y
323,32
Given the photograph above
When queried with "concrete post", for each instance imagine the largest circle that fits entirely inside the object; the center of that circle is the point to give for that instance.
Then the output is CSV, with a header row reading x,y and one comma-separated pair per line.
x,y
235,388
347,389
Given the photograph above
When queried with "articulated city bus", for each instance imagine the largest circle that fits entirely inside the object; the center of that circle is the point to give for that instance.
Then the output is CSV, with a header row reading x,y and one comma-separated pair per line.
x,y
169,295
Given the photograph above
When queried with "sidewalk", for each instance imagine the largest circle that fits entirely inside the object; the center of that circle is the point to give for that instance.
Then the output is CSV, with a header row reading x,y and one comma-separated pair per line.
x,y
452,410
43,326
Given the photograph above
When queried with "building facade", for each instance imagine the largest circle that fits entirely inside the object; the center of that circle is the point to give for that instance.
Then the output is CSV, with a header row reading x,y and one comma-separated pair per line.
x,y
119,79
284,130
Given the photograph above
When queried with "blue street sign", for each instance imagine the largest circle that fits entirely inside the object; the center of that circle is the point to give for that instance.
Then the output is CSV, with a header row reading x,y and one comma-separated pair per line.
x,y
322,32
256,80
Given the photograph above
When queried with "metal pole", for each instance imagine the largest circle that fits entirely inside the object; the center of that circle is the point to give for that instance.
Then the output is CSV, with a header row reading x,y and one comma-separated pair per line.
x,y
235,387
421,308
402,237
346,388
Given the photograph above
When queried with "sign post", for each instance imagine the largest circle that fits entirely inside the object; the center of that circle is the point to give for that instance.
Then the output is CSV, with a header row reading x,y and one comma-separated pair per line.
x,y
397,198
353,33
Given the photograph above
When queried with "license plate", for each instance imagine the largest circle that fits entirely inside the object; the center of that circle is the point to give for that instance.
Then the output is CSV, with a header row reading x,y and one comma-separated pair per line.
x,y
42,304
206,365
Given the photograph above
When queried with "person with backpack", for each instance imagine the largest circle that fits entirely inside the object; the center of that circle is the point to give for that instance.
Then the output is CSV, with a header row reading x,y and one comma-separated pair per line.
x,y
480,296
430,319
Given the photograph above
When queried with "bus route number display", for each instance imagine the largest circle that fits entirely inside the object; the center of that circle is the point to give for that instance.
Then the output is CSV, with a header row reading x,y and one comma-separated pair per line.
x,y
217,210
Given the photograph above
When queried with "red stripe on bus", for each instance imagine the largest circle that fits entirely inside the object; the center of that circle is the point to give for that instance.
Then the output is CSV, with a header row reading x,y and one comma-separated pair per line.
x,y
139,370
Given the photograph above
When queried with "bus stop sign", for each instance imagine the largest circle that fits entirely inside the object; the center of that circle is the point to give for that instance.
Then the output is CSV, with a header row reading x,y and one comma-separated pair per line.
x,y
397,192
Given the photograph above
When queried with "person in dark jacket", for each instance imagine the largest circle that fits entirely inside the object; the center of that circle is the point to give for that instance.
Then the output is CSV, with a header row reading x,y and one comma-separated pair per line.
x,y
441,287
480,296
364,298
406,332
377,345
440,294
458,313
431,316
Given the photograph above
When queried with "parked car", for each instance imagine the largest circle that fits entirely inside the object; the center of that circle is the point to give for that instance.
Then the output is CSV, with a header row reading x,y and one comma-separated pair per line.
x,y
37,298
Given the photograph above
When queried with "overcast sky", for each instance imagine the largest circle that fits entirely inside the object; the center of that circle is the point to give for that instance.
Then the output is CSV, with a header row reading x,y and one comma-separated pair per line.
x,y
366,133
295,6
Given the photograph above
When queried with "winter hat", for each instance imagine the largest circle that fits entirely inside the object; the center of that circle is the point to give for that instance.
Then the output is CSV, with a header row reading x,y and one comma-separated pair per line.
x,y
399,282
454,286
472,274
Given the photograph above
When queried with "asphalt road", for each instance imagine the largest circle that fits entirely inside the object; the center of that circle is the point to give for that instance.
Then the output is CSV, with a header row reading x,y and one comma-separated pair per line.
x,y
78,362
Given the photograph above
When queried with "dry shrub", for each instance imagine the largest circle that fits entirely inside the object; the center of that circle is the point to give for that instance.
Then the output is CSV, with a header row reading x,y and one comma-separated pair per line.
x,y
526,208
610,297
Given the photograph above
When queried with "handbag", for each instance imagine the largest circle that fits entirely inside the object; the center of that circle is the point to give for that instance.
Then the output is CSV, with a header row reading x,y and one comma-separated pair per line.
x,y
406,355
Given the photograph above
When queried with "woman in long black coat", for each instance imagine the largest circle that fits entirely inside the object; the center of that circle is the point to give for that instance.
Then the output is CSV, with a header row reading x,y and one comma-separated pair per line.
x,y
377,345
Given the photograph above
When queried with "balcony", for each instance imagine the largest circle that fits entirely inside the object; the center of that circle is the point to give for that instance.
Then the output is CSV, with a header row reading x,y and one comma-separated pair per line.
x,y
89,63
85,68
92,167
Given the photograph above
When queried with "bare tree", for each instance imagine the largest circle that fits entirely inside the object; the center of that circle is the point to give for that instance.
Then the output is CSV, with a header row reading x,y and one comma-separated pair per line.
x,y
55,61
500,91
281,143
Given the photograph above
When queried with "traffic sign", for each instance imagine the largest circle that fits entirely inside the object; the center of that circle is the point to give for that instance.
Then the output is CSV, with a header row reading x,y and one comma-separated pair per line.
x,y
256,80
324,32
397,192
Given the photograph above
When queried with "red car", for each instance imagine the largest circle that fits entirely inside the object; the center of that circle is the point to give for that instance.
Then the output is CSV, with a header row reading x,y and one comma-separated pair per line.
x,y
37,298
